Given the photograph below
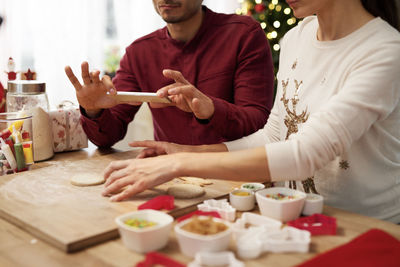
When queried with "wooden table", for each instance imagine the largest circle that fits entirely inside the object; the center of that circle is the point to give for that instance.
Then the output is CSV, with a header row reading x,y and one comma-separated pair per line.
x,y
19,248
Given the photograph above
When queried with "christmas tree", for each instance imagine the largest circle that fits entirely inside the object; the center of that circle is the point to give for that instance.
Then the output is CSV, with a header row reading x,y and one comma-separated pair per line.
x,y
275,17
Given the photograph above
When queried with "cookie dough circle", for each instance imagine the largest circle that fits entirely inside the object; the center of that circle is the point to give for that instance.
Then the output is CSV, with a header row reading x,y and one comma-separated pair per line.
x,y
185,191
87,179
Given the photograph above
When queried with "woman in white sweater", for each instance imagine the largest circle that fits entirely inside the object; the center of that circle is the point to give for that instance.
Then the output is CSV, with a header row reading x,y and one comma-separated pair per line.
x,y
335,124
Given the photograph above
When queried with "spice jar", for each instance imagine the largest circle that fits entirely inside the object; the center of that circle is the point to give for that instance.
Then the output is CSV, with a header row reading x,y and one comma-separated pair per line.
x,y
25,95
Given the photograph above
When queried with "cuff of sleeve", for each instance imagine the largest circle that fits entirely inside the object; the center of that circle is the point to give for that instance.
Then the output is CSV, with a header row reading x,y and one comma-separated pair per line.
x,y
83,112
94,122
238,144
281,160
218,116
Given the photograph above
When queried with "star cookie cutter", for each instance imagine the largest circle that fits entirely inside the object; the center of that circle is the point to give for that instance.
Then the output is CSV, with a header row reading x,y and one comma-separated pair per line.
x,y
224,209
225,258
258,240
250,221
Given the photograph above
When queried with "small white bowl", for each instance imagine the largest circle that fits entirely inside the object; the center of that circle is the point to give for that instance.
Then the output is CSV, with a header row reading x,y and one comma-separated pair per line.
x,y
146,239
253,186
242,203
191,243
282,210
314,203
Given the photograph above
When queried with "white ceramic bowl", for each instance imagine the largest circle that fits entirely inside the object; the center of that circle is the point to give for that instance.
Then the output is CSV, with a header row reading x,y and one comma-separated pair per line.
x,y
282,210
252,186
191,243
313,204
242,203
146,239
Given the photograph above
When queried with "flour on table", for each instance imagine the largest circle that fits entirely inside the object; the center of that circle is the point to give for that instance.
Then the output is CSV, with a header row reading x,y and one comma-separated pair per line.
x,y
53,186
87,179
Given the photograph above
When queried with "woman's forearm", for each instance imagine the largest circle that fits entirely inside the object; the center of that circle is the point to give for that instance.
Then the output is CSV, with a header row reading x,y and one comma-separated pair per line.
x,y
251,165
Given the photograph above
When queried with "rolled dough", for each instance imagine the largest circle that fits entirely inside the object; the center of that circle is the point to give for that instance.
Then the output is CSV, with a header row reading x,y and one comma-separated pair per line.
x,y
87,179
185,191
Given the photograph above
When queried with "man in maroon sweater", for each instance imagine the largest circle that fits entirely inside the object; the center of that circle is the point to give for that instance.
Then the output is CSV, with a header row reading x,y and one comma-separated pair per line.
x,y
216,68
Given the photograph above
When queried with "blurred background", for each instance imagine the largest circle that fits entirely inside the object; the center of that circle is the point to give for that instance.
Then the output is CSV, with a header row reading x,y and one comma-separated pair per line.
x,y
47,35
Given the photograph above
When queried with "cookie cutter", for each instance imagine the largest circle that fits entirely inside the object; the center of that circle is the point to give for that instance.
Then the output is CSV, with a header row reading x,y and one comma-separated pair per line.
x,y
316,224
153,258
159,203
225,258
258,240
250,220
222,206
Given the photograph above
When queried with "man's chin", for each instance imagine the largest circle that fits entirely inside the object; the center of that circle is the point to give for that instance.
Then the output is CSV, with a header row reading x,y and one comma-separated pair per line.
x,y
172,20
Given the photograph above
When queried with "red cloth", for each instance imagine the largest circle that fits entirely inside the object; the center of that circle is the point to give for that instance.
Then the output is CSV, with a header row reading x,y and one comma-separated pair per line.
x,y
374,248
228,59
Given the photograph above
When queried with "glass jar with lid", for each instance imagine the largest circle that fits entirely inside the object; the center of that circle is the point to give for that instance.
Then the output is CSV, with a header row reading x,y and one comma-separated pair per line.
x,y
25,95
30,96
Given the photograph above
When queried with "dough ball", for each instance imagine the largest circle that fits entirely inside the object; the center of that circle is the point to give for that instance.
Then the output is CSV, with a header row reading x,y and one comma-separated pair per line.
x,y
185,191
87,179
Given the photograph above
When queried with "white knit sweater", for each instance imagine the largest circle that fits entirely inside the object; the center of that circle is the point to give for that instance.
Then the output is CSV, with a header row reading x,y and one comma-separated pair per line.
x,y
343,98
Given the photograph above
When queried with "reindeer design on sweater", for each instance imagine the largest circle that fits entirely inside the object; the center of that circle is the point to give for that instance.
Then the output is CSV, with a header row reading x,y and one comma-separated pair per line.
x,y
292,120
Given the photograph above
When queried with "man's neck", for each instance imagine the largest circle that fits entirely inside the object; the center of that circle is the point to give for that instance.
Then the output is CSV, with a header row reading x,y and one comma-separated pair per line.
x,y
186,30
340,19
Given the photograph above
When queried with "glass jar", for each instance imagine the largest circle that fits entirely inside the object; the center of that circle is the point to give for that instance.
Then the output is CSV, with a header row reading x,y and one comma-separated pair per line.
x,y
25,95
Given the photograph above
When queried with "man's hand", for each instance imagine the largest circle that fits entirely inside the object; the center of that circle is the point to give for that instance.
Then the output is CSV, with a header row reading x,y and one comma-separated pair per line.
x,y
92,94
157,148
136,175
186,97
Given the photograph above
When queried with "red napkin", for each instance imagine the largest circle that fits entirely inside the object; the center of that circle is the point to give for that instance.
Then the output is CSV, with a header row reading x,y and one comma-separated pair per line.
x,y
374,248
154,258
159,203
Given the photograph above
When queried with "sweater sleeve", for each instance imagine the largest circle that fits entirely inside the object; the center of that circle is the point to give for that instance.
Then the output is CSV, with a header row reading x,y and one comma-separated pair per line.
x,y
111,126
253,90
369,94
270,133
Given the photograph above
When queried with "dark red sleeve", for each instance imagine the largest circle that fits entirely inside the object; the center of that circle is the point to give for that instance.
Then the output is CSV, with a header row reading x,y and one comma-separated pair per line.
x,y
253,85
111,126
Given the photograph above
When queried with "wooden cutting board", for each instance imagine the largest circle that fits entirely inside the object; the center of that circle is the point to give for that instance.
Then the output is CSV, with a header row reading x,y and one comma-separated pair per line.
x,y
44,203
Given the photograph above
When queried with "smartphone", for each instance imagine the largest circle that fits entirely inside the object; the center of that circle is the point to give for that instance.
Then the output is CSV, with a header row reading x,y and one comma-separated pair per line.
x,y
126,97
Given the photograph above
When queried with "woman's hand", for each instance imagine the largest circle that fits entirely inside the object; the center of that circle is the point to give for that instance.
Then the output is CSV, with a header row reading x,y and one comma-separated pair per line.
x,y
136,175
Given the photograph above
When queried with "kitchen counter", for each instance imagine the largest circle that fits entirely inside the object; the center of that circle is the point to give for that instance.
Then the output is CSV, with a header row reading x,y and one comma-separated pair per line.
x,y
19,248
